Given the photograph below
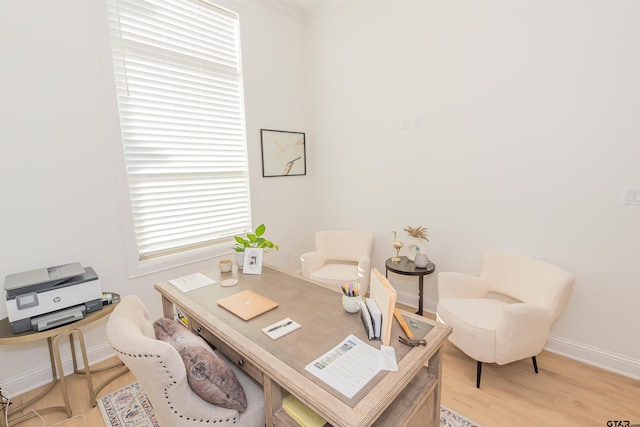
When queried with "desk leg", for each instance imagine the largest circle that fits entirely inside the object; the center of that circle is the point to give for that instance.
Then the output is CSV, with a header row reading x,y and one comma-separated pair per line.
x,y
87,371
14,410
85,361
167,308
435,369
420,295
63,382
52,360
272,399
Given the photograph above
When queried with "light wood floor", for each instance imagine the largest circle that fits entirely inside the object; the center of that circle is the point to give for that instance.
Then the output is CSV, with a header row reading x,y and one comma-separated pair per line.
x,y
564,393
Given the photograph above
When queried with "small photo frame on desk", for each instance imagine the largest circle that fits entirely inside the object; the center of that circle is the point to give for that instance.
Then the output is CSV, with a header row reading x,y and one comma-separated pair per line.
x,y
252,261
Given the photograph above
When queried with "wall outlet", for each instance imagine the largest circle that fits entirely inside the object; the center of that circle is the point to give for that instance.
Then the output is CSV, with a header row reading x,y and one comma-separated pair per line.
x,y
631,196
405,122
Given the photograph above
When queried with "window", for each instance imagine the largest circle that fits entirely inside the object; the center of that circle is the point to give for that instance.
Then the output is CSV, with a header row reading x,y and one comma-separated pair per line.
x,y
179,88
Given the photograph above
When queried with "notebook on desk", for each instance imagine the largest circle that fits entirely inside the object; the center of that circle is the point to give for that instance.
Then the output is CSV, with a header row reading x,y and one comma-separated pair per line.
x,y
385,297
247,304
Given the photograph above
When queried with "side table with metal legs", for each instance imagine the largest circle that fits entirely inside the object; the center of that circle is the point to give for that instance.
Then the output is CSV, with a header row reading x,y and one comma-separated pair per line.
x,y
406,267
53,336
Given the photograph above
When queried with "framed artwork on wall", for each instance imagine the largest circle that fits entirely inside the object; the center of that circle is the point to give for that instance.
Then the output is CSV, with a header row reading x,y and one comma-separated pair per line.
x,y
283,153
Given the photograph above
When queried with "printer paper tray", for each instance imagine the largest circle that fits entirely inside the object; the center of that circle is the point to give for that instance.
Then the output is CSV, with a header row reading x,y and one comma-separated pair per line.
x,y
58,318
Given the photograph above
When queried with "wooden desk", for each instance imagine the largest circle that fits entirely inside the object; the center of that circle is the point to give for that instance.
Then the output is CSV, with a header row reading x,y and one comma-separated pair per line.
x,y
53,337
409,397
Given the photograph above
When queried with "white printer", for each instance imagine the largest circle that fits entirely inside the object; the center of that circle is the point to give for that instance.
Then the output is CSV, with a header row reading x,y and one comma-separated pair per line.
x,y
49,297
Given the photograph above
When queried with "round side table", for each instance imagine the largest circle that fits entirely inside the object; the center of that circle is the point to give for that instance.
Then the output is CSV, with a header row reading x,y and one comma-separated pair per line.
x,y
53,337
408,268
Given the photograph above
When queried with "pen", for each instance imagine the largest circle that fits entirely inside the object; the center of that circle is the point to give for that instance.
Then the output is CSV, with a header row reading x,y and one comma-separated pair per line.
x,y
351,289
280,326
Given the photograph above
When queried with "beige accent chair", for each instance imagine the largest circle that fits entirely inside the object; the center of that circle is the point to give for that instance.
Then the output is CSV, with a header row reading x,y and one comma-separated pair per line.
x,y
505,314
160,370
339,257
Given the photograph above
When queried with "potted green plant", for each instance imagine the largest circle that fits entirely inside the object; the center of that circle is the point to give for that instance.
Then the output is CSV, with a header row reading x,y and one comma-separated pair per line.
x,y
252,240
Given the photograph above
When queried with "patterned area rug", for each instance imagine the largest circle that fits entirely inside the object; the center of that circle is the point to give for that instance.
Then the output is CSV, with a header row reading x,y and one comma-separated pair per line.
x,y
129,407
449,418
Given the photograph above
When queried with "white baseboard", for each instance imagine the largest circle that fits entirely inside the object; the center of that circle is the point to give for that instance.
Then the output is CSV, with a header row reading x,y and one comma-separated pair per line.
x,y
409,299
34,378
593,356
607,360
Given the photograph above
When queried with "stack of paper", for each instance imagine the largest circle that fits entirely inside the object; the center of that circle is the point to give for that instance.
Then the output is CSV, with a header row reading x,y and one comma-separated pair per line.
x,y
192,282
342,367
302,413
367,322
385,297
376,316
281,328
371,317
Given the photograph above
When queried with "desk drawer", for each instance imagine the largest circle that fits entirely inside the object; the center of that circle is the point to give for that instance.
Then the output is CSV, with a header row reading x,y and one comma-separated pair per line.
x,y
233,355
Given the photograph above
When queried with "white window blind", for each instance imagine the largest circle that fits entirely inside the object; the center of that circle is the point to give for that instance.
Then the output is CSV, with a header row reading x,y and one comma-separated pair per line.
x,y
179,86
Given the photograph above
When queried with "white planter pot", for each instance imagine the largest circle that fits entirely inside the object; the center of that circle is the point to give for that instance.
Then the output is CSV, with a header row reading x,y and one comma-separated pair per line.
x,y
240,259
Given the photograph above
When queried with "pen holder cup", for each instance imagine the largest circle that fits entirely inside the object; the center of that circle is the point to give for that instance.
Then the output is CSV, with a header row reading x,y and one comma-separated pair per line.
x,y
350,304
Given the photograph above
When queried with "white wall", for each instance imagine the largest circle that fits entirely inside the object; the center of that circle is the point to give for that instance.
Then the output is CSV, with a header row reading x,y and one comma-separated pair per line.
x,y
60,152
530,133
528,139
276,91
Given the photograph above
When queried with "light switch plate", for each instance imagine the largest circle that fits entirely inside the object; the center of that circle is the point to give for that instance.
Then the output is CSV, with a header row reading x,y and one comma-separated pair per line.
x,y
631,196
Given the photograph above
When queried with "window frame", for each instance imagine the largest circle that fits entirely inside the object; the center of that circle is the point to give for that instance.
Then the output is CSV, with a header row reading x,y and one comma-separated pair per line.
x,y
139,267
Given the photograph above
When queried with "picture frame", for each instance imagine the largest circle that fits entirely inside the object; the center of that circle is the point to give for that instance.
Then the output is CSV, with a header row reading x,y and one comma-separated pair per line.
x,y
252,261
283,153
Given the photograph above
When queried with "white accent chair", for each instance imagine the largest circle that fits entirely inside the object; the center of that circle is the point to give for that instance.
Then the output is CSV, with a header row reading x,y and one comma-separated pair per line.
x,y
505,314
339,257
160,370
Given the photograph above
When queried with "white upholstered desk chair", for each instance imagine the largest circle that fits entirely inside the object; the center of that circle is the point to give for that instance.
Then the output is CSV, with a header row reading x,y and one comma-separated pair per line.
x,y
160,370
505,314
339,257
